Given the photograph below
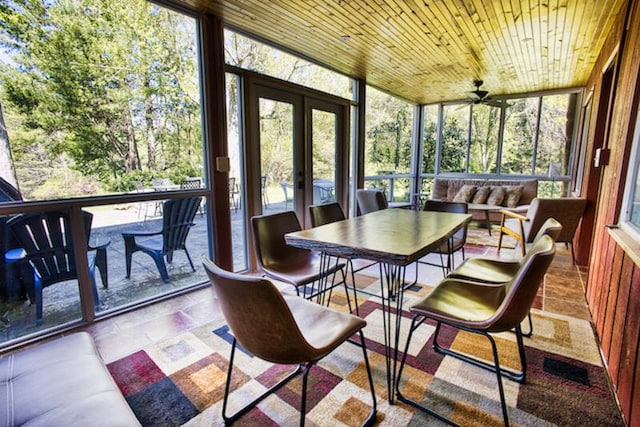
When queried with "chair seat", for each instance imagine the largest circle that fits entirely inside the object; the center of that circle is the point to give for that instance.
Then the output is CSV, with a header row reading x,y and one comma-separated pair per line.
x,y
303,271
486,270
468,303
153,244
323,329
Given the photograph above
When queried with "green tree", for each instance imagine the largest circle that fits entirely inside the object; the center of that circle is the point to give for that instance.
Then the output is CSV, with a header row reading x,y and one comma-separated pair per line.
x,y
100,77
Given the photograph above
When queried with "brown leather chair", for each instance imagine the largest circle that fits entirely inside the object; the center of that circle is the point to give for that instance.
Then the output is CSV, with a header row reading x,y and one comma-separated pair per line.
x,y
281,329
567,211
332,212
301,268
500,271
457,241
483,309
371,201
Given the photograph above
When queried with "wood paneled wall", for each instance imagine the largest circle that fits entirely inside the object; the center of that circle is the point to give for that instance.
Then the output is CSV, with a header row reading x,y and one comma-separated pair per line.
x,y
613,285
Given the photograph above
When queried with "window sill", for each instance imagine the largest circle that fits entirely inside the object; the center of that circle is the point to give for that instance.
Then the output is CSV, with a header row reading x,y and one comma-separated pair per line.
x,y
627,242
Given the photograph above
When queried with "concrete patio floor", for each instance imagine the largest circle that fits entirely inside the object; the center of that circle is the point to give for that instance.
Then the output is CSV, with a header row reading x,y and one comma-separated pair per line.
x,y
61,300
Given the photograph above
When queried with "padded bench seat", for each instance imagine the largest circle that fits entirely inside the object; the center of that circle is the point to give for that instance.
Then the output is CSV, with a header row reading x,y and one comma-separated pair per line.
x,y
61,383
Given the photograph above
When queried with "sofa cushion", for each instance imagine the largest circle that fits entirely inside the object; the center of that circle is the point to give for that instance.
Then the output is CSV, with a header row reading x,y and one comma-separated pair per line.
x,y
512,195
61,383
482,194
465,194
496,196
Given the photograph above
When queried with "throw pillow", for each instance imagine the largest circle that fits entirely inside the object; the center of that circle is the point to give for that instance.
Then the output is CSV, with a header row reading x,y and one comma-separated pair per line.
x,y
481,194
512,195
496,196
465,193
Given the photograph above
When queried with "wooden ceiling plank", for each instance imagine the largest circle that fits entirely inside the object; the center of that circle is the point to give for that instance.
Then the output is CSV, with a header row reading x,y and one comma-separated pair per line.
x,y
426,50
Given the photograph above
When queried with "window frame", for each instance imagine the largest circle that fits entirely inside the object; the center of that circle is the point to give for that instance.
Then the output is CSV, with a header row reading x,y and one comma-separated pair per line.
x,y
631,184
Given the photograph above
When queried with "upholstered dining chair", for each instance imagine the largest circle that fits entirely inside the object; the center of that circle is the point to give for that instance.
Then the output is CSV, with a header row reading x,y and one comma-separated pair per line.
x,y
332,212
371,200
281,329
457,241
177,220
301,268
500,271
46,242
566,210
482,309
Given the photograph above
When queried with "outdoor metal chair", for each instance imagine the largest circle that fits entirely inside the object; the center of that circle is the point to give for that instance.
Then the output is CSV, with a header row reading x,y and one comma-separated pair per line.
x,y
177,220
287,189
46,242
234,193
282,329
482,309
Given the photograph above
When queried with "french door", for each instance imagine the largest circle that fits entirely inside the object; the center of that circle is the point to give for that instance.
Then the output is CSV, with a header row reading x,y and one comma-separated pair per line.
x,y
296,150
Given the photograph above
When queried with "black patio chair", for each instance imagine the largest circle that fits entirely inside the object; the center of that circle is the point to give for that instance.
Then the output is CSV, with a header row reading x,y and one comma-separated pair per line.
x,y
177,220
46,242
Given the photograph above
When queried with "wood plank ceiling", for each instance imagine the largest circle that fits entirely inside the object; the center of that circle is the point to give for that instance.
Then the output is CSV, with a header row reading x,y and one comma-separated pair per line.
x,y
432,50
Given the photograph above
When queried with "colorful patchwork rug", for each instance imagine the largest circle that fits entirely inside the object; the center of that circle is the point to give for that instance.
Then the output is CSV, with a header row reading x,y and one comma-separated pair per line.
x,y
181,381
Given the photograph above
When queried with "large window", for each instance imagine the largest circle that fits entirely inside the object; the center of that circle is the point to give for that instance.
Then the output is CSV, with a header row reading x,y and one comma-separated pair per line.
x,y
454,138
517,136
250,54
100,98
388,149
630,217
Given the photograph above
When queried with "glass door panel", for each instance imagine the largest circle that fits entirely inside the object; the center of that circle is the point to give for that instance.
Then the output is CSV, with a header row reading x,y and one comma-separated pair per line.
x,y
277,147
323,148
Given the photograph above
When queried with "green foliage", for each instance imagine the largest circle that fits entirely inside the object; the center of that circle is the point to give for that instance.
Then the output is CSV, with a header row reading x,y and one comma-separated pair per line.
x,y
112,85
389,127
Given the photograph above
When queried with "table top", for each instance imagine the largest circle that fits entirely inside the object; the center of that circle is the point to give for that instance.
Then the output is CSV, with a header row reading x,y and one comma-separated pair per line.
x,y
394,236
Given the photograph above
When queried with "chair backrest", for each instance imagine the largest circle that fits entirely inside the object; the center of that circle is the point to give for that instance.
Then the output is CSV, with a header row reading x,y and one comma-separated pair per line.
x,y
287,189
566,210
523,288
371,200
460,237
325,214
268,237
160,182
551,228
191,183
47,240
177,220
258,316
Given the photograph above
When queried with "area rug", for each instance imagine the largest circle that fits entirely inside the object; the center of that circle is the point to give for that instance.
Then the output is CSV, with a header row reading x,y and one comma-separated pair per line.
x,y
479,236
180,381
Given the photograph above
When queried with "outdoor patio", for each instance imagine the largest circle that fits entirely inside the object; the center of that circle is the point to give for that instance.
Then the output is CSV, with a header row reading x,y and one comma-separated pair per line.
x,y
61,301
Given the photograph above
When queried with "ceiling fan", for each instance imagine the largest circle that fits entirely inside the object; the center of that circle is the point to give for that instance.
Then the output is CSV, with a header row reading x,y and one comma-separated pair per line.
x,y
479,96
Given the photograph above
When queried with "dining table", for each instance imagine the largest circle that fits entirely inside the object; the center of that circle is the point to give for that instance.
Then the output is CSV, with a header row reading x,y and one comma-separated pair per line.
x,y
395,238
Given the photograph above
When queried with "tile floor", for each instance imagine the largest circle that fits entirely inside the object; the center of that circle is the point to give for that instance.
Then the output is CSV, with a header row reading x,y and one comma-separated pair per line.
x,y
116,337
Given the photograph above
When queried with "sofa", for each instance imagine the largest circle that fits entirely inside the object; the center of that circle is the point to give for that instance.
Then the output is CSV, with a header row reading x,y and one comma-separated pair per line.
x,y
63,382
517,197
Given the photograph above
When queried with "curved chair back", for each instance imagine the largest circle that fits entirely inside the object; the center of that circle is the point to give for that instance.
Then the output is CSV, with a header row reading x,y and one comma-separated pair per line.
x,y
325,214
271,248
259,317
47,241
371,200
566,210
522,290
460,237
177,219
